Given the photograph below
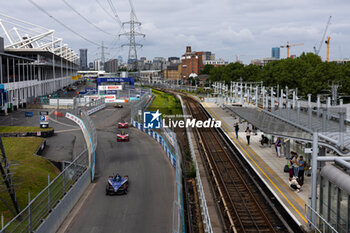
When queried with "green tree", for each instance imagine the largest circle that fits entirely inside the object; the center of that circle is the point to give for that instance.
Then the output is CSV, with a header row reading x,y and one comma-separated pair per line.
x,y
207,68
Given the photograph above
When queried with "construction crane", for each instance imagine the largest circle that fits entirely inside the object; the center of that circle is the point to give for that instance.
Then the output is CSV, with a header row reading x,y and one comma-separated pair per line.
x,y
327,42
317,51
290,45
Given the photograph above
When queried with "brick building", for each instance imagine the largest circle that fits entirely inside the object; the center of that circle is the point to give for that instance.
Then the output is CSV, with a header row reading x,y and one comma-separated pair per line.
x,y
192,62
173,72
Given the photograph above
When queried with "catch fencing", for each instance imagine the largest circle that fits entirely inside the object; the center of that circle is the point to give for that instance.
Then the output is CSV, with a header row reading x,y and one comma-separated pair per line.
x,y
41,206
138,107
88,127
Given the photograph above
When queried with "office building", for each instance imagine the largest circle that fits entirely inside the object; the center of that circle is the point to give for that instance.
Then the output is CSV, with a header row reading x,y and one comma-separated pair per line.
x,y
275,52
83,59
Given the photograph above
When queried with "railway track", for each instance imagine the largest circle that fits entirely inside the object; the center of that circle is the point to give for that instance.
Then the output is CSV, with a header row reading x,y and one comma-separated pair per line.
x,y
244,207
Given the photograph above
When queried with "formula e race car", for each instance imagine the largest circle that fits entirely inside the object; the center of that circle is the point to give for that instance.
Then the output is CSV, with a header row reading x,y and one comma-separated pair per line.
x,y
122,137
117,185
123,125
118,106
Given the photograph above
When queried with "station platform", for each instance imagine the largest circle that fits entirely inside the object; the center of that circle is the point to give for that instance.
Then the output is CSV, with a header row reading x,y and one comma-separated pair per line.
x,y
267,164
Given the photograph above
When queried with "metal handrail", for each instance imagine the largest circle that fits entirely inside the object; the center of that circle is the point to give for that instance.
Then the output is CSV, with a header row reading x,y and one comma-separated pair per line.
x,y
307,215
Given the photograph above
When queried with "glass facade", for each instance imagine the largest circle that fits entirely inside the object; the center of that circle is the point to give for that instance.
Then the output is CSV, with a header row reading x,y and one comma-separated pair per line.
x,y
276,52
83,59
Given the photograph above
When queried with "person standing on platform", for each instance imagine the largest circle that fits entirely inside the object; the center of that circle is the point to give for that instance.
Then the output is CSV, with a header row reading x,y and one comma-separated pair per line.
x,y
290,165
278,147
247,131
302,164
236,130
295,165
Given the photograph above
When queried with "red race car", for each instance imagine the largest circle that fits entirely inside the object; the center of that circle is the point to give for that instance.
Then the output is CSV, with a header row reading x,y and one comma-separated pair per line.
x,y
123,125
122,137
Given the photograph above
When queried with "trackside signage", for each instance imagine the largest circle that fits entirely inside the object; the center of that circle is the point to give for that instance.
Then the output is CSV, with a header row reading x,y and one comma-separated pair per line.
x,y
152,120
110,88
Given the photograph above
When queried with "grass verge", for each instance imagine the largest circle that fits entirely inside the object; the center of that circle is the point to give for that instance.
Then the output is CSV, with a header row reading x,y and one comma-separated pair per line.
x,y
167,104
30,175
22,129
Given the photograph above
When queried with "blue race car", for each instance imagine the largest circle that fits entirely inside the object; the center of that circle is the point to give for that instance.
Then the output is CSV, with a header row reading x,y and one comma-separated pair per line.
x,y
117,185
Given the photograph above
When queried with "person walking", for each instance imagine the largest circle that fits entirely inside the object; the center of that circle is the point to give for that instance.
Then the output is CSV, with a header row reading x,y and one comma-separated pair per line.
x,y
236,130
302,164
247,131
278,147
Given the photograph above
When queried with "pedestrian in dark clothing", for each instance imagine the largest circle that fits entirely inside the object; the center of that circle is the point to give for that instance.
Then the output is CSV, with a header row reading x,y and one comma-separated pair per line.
x,y
247,131
264,140
236,130
302,164
278,147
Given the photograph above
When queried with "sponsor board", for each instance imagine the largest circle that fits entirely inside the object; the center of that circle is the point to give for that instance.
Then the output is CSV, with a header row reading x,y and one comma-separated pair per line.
x,y
91,111
110,88
76,120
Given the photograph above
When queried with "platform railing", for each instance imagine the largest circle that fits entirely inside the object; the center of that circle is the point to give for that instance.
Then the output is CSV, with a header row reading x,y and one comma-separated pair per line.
x,y
321,224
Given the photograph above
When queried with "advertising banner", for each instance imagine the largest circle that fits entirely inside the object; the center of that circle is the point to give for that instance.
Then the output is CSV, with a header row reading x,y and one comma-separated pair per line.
x,y
110,87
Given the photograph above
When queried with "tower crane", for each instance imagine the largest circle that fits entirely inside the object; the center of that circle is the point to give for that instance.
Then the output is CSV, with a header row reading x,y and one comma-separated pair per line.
x,y
290,45
327,42
317,51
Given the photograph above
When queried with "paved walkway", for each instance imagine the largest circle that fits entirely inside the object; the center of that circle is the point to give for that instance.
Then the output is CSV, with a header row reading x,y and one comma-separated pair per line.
x,y
265,162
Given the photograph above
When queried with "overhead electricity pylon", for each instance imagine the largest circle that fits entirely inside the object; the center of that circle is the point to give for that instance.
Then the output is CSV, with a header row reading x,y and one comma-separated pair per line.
x,y
132,34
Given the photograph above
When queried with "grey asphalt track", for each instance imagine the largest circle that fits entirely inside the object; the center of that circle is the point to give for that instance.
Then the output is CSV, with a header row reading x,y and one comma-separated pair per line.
x,y
148,206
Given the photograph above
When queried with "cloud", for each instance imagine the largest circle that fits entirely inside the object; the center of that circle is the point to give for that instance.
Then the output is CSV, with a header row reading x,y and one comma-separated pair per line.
x,y
225,27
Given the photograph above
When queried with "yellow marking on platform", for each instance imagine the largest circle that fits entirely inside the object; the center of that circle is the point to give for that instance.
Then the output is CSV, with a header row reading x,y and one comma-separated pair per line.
x,y
299,200
233,138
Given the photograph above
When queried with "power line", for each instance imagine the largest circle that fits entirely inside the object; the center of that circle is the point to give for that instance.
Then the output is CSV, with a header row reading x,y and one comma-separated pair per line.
x,y
88,21
133,9
62,24
107,12
115,12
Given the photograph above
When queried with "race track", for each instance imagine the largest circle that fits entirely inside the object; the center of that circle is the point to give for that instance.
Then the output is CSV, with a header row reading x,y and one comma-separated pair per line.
x,y
148,205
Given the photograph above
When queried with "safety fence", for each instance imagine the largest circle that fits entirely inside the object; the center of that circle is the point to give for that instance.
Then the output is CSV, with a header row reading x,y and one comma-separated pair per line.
x,y
139,106
43,204
88,128
159,139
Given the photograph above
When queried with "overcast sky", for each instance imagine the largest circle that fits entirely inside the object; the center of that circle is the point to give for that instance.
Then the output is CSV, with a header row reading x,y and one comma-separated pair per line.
x,y
228,28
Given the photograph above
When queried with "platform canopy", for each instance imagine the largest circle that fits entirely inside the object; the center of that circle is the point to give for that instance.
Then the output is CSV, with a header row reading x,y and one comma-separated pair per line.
x,y
299,126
